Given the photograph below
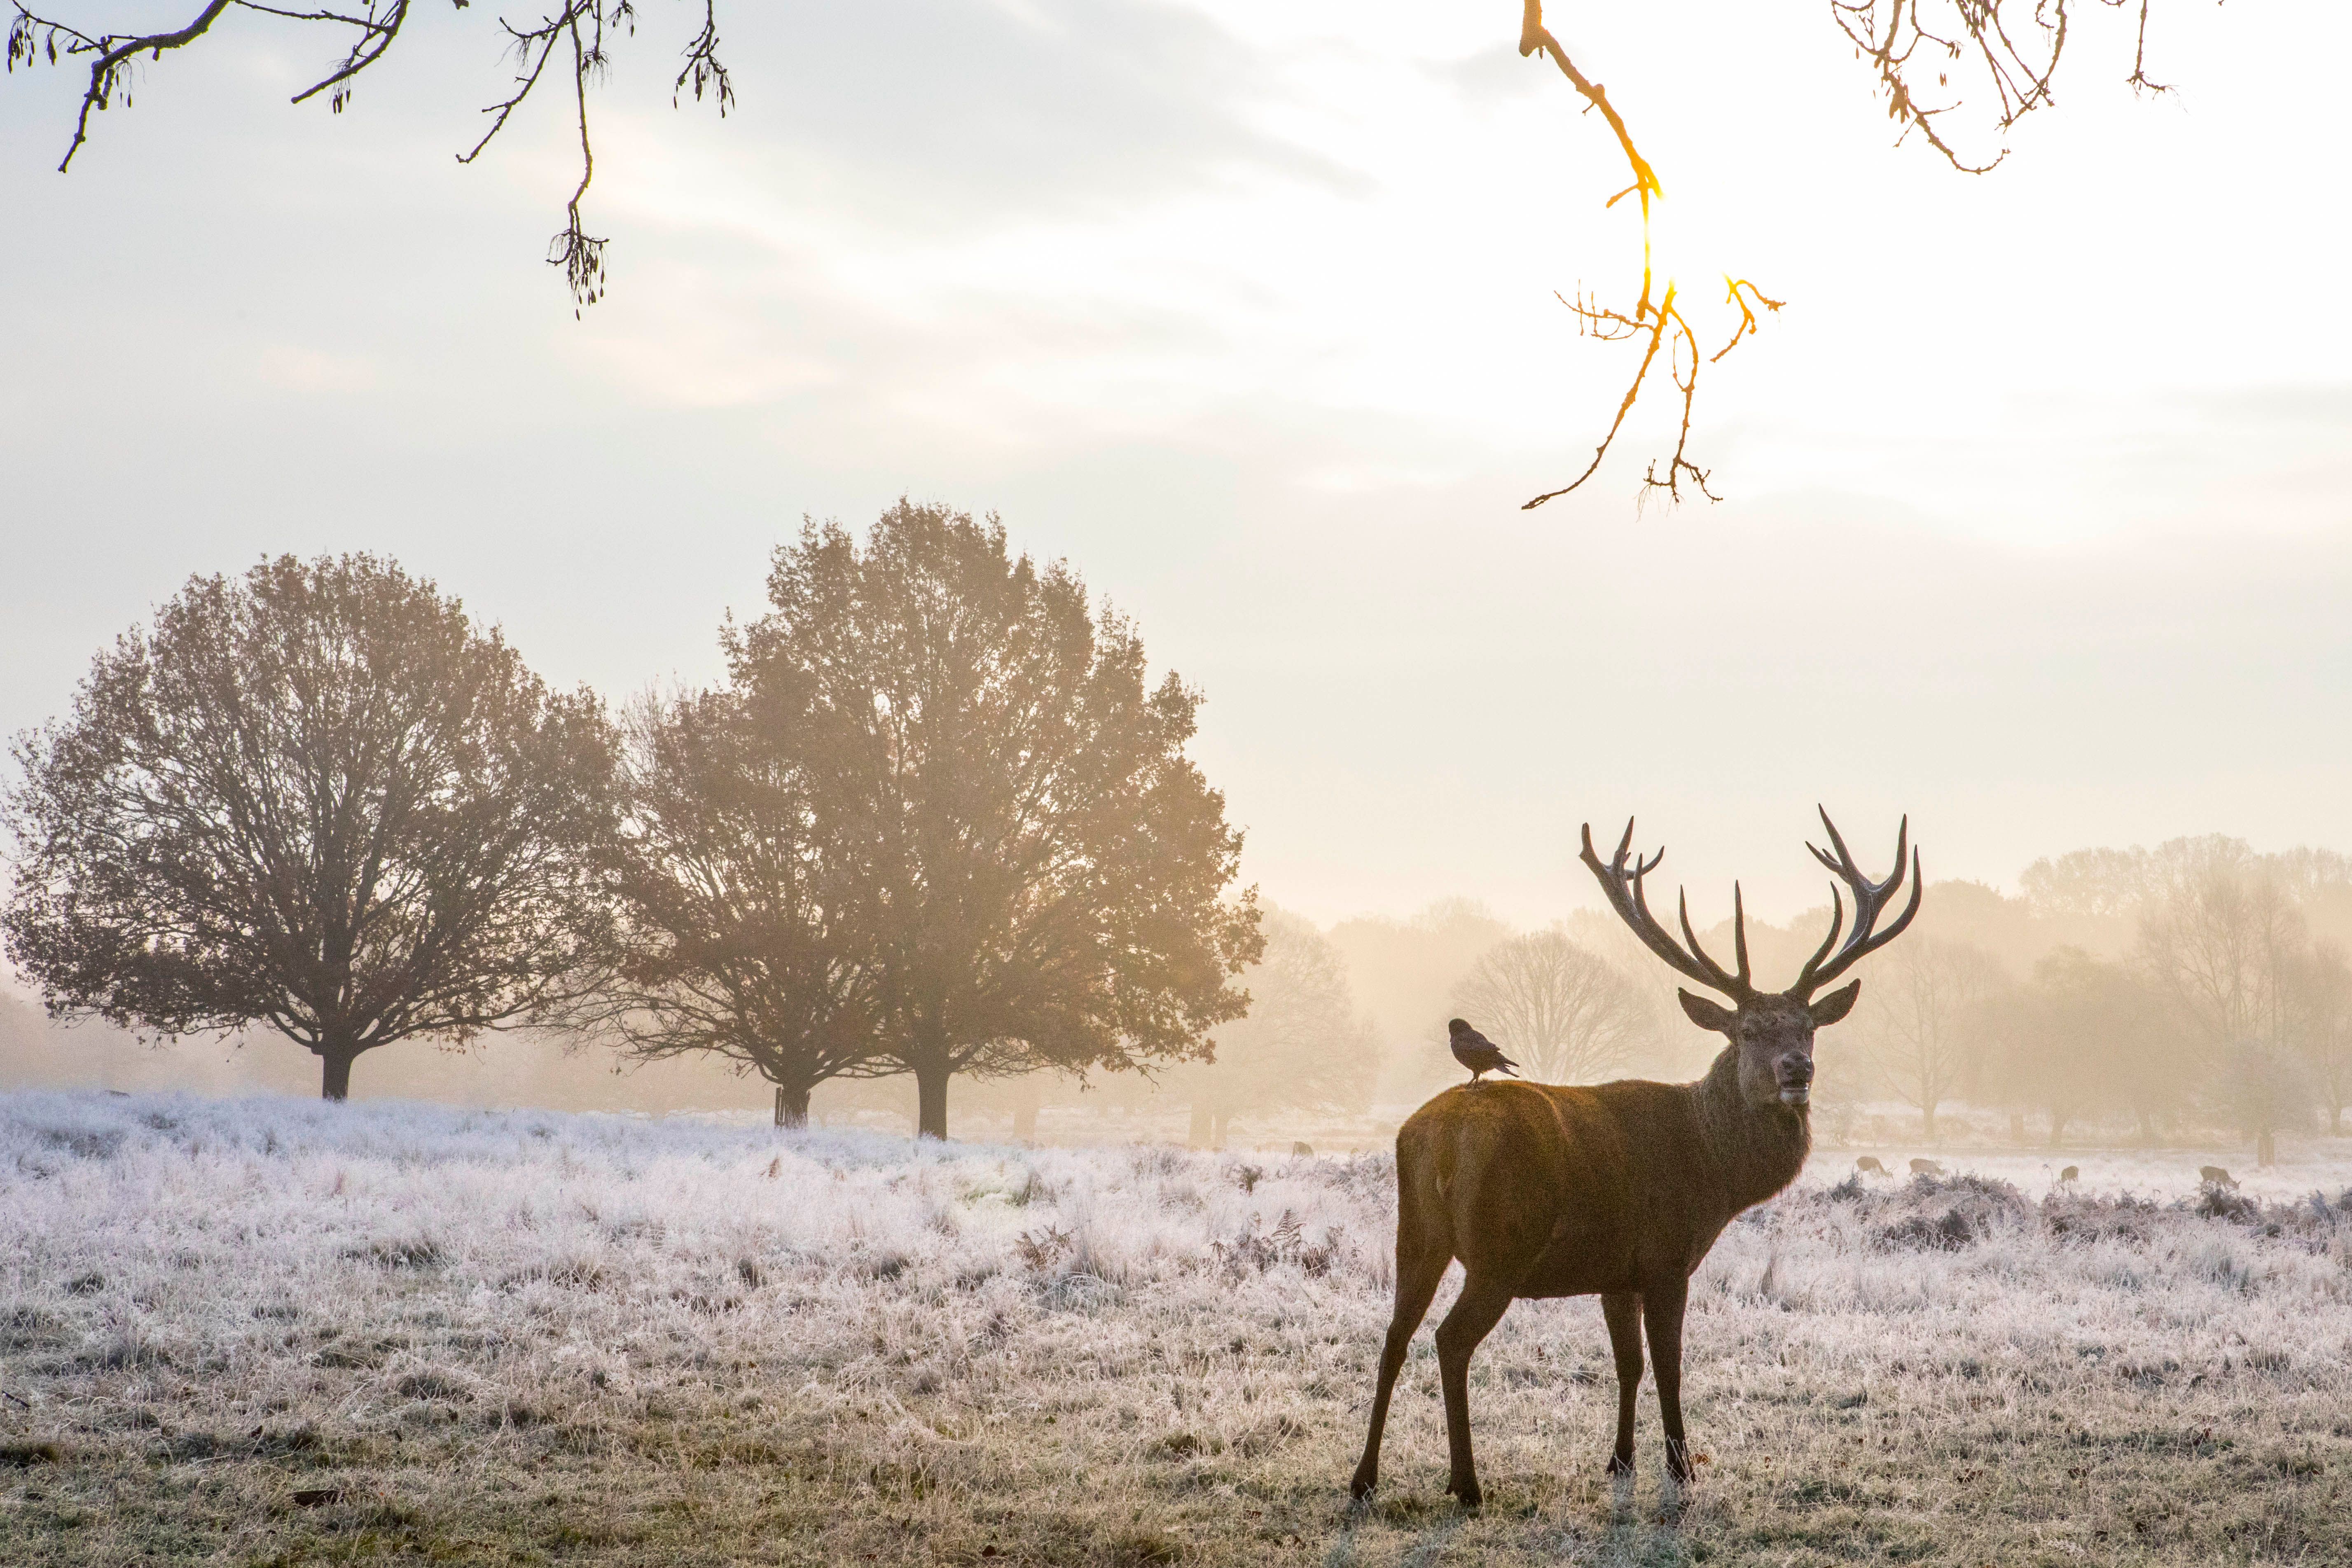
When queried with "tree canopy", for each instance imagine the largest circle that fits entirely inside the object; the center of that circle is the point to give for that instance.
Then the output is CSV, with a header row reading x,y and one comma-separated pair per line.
x,y
748,907
320,798
1047,867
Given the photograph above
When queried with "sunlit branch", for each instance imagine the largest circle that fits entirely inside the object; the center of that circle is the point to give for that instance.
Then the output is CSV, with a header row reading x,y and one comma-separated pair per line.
x,y
2015,47
1736,289
1608,326
1535,36
1662,324
1685,342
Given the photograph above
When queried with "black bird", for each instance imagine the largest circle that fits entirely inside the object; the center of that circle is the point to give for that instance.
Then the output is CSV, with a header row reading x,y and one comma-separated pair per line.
x,y
1476,1052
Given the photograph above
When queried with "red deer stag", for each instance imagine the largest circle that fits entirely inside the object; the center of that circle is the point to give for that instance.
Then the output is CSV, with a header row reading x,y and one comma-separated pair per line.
x,y
1619,1189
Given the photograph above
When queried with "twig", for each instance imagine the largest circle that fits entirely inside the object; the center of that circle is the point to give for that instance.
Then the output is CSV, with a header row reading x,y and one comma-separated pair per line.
x,y
1599,319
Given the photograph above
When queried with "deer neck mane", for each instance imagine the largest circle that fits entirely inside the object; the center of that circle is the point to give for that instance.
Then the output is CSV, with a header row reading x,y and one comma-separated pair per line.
x,y
1757,1149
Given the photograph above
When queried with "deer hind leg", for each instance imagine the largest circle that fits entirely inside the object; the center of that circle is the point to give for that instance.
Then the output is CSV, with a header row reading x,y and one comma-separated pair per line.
x,y
1419,1271
1623,1312
1480,1307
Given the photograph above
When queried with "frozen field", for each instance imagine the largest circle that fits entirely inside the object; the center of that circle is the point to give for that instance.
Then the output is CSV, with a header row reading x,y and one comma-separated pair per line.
x,y
281,1332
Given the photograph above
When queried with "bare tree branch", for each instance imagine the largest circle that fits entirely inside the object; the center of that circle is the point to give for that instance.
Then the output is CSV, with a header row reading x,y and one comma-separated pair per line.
x,y
2017,63
2013,46
1898,38
702,67
1594,322
543,39
30,37
580,257
376,33
1535,36
580,25
1645,319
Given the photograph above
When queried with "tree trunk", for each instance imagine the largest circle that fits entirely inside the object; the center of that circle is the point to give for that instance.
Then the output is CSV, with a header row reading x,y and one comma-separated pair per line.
x,y
2057,1128
791,1105
1027,1100
1927,1114
2017,1127
2266,1149
1205,1128
1224,1122
2146,1128
932,1101
335,1078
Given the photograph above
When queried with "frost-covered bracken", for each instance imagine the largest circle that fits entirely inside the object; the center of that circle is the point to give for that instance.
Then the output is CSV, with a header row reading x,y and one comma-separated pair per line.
x,y
278,1330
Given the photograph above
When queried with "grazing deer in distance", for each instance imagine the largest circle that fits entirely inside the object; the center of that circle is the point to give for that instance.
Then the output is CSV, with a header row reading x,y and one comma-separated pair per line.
x,y
1926,1167
1868,1165
1617,1189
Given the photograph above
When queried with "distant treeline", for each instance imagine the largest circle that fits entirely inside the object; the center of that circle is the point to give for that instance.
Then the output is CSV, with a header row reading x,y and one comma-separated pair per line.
x,y
2195,987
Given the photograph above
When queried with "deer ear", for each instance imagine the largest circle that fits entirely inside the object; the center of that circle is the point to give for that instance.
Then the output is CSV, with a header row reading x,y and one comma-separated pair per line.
x,y
1834,1005
1706,1013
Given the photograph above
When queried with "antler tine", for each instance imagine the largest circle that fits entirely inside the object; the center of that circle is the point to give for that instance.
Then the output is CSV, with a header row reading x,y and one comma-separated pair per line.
x,y
1837,924
1622,886
1739,933
1869,899
1721,978
1843,865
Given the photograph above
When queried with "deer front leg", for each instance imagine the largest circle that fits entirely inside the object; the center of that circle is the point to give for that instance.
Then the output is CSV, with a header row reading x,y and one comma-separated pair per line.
x,y
1662,1313
1622,1310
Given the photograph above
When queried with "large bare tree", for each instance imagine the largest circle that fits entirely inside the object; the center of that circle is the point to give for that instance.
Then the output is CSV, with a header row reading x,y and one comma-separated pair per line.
x,y
1569,1014
318,797
1048,866
1928,58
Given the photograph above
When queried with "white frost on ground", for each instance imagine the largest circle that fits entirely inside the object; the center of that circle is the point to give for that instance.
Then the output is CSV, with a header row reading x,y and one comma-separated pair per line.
x,y
365,1265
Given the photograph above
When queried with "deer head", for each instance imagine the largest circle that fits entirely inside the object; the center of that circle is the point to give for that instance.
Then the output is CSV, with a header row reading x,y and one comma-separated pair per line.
x,y
1772,1030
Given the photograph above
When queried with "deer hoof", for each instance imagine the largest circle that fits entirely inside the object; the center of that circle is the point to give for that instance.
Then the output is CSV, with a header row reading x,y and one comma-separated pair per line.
x,y
1361,1486
1467,1494
1621,1464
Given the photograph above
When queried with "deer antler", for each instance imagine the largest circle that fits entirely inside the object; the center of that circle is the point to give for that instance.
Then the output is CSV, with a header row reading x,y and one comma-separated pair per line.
x,y
1869,899
1623,884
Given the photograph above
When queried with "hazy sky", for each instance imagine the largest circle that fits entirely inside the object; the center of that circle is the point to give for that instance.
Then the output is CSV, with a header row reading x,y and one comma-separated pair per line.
x,y
2040,515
